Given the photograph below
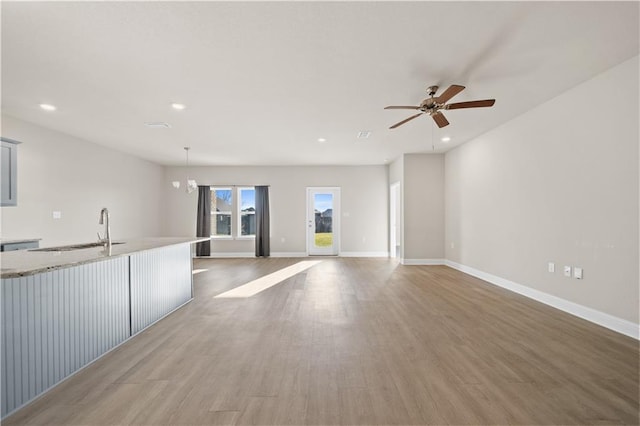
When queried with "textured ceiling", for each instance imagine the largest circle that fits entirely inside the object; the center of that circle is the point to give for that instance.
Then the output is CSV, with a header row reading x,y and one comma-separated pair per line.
x,y
263,81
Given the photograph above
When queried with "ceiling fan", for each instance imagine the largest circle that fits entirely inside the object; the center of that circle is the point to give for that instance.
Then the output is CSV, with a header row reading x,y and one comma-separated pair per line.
x,y
432,105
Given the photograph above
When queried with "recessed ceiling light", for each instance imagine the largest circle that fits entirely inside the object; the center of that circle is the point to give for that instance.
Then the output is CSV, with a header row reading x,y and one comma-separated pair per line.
x,y
48,107
322,140
178,106
445,139
158,125
364,134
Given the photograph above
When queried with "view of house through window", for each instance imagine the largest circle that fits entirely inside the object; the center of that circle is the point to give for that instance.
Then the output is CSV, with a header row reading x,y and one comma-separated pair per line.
x,y
221,210
247,200
231,218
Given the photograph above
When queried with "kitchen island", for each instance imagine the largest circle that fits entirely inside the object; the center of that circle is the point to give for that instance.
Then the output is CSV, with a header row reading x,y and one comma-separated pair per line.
x,y
62,309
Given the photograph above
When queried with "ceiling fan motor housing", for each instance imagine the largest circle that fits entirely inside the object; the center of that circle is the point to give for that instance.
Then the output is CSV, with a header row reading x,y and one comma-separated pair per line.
x,y
429,105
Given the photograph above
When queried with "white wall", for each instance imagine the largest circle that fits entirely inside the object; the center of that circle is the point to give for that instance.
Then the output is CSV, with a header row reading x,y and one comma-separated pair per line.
x,y
423,208
364,204
559,183
58,172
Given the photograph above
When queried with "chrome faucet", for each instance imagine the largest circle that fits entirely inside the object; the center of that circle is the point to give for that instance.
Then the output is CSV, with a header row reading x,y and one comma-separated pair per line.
x,y
106,240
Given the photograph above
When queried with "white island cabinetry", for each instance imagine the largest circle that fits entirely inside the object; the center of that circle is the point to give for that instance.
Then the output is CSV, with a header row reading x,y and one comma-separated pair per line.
x,y
63,310
161,281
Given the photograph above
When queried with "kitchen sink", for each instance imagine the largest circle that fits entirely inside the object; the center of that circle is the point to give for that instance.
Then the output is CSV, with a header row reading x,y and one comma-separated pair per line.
x,y
75,247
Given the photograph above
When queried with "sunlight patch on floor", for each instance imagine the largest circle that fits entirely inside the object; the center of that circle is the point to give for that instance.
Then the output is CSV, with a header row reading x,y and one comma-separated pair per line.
x,y
256,286
197,271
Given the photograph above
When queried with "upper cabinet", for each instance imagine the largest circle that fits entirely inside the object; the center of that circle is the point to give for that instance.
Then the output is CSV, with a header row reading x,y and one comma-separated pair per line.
x,y
8,172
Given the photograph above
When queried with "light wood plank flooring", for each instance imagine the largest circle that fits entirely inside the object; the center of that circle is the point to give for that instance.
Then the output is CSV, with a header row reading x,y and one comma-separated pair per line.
x,y
358,342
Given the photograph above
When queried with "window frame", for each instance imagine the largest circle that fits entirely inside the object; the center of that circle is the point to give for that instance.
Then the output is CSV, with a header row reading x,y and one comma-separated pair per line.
x,y
214,214
238,234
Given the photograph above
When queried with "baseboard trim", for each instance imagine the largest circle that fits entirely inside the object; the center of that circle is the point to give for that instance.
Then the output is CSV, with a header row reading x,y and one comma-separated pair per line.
x,y
611,322
289,254
422,261
294,254
229,255
364,254
246,255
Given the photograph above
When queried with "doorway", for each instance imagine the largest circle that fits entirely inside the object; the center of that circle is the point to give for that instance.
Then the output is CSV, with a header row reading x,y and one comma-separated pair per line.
x,y
323,221
395,220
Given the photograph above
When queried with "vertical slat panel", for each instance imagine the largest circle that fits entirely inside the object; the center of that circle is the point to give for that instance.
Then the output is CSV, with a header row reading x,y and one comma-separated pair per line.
x,y
29,372
55,316
58,283
82,329
160,282
64,328
50,351
77,333
37,337
7,344
56,322
24,343
3,366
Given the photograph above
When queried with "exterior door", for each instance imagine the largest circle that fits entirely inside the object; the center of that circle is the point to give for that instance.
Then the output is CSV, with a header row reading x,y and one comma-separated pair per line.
x,y
323,221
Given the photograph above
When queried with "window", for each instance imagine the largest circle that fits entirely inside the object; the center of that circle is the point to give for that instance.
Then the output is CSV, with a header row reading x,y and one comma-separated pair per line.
x,y
233,212
247,212
221,210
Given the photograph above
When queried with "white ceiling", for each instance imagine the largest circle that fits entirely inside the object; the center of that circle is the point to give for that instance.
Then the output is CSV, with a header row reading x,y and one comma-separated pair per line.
x,y
263,81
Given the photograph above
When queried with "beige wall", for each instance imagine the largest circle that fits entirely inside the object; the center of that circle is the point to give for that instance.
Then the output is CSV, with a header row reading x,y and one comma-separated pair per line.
x,y
364,204
423,207
559,183
58,172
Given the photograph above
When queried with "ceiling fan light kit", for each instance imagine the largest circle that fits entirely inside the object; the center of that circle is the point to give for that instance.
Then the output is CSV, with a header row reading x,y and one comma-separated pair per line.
x,y
433,105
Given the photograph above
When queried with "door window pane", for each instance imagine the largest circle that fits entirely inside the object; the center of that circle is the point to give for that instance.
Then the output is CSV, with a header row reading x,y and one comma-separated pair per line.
x,y
323,208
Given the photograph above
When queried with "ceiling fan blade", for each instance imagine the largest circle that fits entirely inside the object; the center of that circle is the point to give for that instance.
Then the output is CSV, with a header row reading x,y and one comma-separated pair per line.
x,y
451,91
402,107
405,120
440,119
471,104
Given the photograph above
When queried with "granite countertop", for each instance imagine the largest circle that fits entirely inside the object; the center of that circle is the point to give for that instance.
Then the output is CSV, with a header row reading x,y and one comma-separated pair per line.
x,y
18,240
28,262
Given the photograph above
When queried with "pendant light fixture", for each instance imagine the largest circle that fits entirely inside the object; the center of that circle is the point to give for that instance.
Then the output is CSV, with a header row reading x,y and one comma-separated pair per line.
x,y
191,183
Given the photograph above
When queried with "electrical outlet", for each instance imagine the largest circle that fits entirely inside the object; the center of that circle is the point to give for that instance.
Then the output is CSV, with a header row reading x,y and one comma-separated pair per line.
x,y
567,271
577,273
552,267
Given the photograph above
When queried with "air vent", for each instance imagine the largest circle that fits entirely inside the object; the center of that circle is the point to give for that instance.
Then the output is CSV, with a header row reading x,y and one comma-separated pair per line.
x,y
158,125
364,134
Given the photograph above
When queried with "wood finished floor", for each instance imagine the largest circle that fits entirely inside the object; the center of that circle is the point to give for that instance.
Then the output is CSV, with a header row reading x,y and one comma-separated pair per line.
x,y
358,342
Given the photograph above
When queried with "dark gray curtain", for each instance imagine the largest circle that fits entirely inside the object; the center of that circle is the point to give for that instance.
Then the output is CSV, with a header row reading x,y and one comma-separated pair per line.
x,y
262,221
203,226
